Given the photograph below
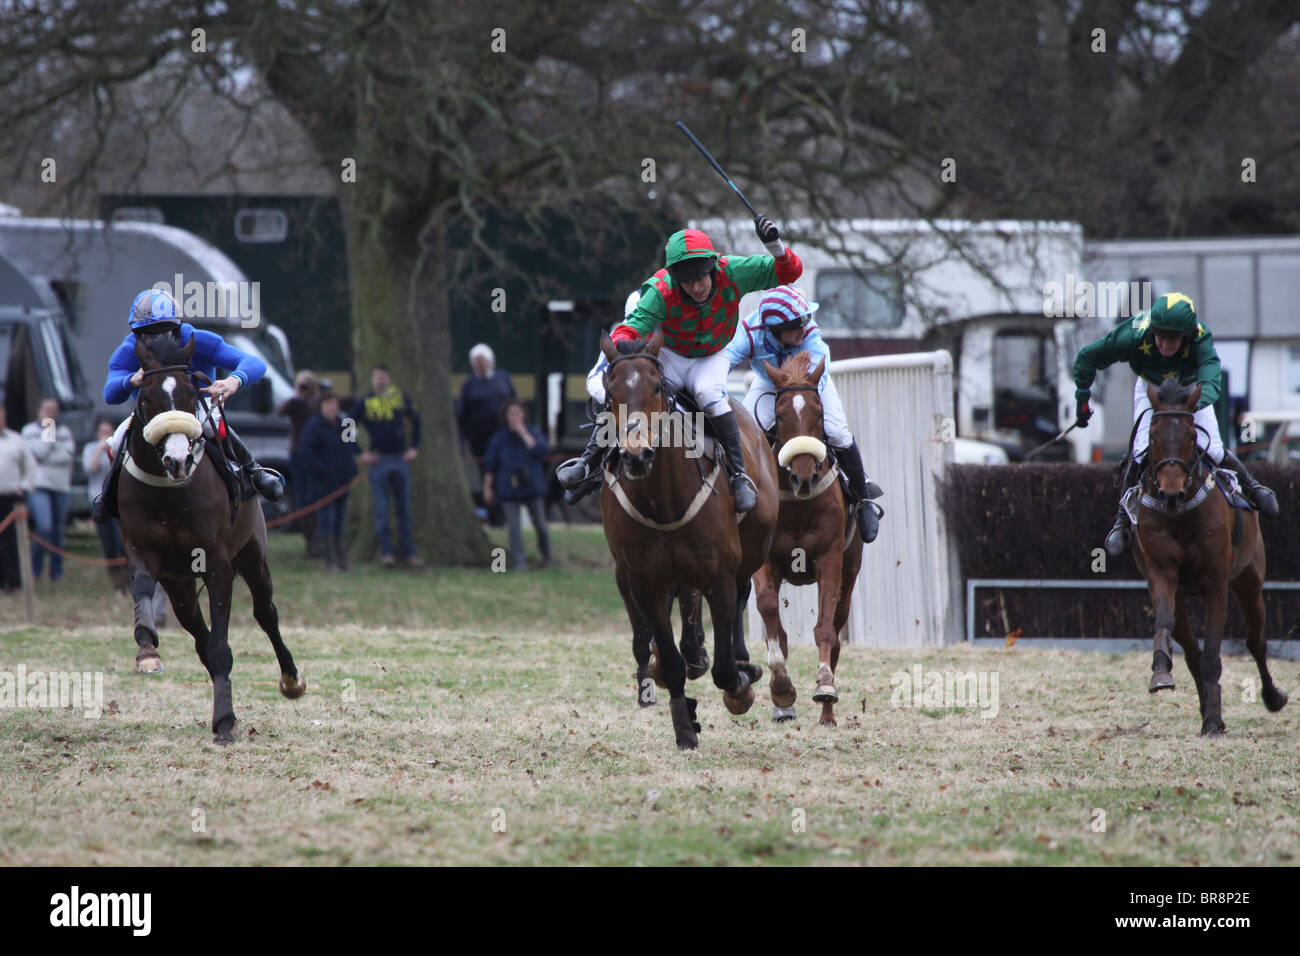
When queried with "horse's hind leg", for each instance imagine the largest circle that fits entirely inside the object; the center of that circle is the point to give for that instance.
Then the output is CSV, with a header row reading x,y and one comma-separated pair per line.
x,y
738,649
252,567
1248,587
690,603
767,591
641,637
220,580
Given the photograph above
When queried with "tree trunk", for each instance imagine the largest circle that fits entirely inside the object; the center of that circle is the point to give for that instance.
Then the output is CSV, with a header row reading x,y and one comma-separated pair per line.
x,y
400,318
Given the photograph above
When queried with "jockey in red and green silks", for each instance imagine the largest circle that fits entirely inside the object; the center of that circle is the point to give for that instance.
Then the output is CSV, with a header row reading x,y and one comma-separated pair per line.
x,y
1165,342
695,300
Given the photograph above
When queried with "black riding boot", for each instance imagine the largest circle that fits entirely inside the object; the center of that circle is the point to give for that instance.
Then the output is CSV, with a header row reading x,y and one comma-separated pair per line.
x,y
268,482
104,508
576,475
1119,537
1263,498
861,489
742,488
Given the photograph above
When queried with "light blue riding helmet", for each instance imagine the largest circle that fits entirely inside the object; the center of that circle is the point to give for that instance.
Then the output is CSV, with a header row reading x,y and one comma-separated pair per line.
x,y
153,307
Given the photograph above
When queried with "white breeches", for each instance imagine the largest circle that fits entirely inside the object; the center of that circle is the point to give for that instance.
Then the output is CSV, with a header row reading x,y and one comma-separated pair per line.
x,y
705,377
1205,417
763,409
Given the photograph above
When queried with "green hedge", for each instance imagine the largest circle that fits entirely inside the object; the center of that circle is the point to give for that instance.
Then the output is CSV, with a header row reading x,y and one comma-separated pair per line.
x,y
1046,521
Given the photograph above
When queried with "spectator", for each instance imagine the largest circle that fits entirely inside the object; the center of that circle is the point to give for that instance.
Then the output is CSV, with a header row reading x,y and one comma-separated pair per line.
x,y
95,463
387,413
299,409
478,411
17,477
54,449
512,472
330,459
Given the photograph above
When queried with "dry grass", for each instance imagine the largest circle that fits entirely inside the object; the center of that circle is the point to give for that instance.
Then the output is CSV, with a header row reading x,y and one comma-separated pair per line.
x,y
472,702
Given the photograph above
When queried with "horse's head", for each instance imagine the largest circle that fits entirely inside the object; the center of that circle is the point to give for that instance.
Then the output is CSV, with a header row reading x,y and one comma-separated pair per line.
x,y
1172,453
799,425
634,383
166,406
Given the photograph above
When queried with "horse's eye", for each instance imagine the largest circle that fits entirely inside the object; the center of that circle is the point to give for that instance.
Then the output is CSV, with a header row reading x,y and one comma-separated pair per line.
x,y
658,389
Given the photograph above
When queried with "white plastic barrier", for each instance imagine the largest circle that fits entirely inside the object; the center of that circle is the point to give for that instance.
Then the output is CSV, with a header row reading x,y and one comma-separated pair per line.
x,y
900,409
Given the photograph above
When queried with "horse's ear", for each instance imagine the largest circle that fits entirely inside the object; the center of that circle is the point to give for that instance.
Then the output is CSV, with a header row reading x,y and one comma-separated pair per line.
x,y
607,346
187,353
1194,399
656,341
141,353
816,375
1151,395
774,374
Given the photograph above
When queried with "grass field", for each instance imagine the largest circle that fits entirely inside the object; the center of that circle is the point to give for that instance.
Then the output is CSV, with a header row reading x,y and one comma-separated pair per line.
x,y
466,717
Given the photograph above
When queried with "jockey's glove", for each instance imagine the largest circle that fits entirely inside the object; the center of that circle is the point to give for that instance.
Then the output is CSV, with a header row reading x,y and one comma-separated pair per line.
x,y
1082,411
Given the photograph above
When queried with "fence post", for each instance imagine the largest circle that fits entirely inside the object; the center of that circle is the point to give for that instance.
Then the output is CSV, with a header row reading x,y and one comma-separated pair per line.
x,y
25,561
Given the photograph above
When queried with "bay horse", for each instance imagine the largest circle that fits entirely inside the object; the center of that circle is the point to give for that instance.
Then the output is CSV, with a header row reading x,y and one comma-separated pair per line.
x,y
176,518
815,542
1192,541
668,523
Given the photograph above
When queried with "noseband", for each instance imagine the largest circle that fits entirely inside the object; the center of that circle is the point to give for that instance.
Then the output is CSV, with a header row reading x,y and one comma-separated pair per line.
x,y
1190,465
820,454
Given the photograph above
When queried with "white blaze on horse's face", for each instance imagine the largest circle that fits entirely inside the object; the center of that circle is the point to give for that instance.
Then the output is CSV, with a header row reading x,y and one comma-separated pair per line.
x,y
176,449
798,404
169,386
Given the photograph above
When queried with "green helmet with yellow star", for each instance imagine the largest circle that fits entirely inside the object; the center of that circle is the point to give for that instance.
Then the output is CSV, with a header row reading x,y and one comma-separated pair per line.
x,y
1174,312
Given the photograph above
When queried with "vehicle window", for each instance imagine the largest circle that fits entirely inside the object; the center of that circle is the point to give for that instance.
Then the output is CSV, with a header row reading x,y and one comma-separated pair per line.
x,y
261,225
851,302
53,346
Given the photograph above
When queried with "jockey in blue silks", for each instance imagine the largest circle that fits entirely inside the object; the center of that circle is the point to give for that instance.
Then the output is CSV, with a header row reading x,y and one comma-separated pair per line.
x,y
153,313
781,327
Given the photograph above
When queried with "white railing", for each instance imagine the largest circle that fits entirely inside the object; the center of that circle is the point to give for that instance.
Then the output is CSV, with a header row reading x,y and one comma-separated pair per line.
x,y
908,593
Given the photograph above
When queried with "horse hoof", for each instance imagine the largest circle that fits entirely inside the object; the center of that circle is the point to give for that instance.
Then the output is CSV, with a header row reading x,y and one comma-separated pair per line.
x,y
1161,681
1213,728
1276,700
738,704
826,694
754,672
698,668
828,722
149,664
782,714
292,686
783,693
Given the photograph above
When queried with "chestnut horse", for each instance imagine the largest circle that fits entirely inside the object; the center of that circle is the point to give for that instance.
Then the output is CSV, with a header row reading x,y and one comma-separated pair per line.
x,y
815,542
1187,545
670,521
176,524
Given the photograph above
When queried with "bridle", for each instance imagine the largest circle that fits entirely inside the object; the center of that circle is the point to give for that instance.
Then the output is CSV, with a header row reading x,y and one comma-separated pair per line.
x,y
1189,465
821,456
195,441
659,365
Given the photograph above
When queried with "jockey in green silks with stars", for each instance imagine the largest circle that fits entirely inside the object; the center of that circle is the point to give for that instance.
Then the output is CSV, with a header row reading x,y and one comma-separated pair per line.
x,y
1166,341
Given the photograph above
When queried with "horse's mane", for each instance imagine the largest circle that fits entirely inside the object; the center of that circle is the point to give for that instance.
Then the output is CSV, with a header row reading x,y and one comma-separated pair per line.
x,y
799,366
1173,392
166,349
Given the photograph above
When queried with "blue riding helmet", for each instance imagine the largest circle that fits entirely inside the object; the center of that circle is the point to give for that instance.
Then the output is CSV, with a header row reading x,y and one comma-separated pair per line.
x,y
153,307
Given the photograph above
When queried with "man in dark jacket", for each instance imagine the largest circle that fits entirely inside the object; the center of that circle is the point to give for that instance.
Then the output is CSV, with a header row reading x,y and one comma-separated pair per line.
x,y
299,409
512,472
328,455
394,427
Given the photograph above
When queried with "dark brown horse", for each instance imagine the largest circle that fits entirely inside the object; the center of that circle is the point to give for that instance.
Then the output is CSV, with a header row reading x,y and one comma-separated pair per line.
x,y
814,542
1192,541
670,521
176,522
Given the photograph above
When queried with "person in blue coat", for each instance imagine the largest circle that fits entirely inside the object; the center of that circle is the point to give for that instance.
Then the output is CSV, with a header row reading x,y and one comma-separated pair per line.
x,y
781,327
328,448
153,313
513,474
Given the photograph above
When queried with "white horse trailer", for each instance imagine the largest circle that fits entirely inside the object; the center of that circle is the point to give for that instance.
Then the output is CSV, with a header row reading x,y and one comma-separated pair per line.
x,y
982,291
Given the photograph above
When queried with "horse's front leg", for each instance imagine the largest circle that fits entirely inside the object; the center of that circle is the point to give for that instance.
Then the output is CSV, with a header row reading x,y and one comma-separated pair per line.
x,y
826,633
652,604
1163,588
767,594
1216,611
645,680
220,580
